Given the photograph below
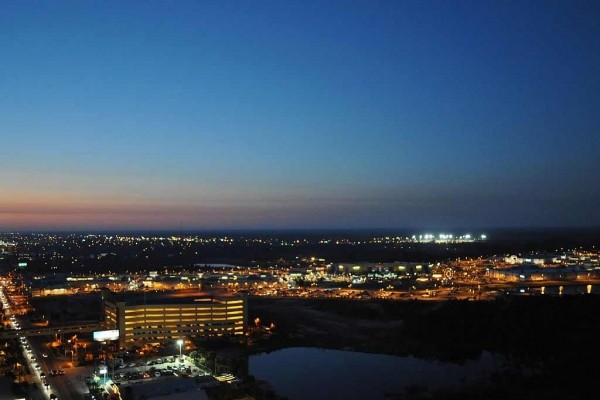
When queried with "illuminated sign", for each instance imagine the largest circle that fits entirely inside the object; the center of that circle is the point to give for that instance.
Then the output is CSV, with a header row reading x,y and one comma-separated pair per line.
x,y
101,336
103,369
22,264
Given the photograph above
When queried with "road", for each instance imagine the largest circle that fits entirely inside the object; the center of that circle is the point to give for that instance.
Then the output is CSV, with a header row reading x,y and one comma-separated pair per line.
x,y
39,392
71,385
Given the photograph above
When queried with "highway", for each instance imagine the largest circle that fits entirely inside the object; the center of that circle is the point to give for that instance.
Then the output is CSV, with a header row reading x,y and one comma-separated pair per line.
x,y
69,386
40,392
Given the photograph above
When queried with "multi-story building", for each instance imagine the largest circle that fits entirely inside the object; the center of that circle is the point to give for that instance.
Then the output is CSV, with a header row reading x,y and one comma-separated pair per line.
x,y
156,318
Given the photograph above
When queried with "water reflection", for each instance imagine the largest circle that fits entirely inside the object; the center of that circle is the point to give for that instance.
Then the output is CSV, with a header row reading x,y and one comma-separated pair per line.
x,y
560,290
311,373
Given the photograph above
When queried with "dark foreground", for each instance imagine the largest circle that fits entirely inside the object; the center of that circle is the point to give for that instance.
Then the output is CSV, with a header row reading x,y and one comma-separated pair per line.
x,y
551,344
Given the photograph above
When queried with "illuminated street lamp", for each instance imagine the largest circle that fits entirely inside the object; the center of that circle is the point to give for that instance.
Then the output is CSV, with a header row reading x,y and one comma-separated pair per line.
x,y
180,343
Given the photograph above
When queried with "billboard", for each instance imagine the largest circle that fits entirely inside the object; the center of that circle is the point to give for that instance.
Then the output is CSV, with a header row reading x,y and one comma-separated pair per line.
x,y
101,336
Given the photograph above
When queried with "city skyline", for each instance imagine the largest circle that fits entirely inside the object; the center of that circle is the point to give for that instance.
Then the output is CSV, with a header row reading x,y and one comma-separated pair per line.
x,y
299,115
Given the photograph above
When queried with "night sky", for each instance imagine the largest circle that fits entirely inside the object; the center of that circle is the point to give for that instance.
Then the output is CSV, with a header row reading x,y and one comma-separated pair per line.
x,y
299,114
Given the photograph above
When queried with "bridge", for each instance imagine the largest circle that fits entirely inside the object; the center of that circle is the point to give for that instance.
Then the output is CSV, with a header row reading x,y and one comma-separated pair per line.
x,y
90,327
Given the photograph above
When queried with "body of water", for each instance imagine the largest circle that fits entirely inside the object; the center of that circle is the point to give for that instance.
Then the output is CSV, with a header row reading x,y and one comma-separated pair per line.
x,y
301,373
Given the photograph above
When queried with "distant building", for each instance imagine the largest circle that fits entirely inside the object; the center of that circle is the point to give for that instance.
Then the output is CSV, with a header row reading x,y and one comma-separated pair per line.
x,y
154,318
532,272
529,260
362,268
7,248
53,284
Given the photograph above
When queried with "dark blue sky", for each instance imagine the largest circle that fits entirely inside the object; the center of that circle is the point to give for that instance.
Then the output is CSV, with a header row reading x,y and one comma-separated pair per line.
x,y
299,114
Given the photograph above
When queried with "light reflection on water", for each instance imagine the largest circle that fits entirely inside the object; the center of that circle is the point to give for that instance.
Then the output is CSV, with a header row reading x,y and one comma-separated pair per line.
x,y
556,289
310,373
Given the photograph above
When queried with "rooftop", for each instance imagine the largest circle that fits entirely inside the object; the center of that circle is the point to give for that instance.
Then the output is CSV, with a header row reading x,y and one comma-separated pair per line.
x,y
179,297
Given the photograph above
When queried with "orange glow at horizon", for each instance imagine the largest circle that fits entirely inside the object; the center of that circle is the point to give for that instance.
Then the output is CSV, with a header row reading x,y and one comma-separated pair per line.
x,y
51,211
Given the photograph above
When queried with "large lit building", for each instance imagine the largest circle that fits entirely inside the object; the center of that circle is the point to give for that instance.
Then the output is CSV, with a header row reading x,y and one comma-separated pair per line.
x,y
155,318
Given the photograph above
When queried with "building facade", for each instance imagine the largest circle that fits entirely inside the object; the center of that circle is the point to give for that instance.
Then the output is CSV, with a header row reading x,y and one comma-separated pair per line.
x,y
165,319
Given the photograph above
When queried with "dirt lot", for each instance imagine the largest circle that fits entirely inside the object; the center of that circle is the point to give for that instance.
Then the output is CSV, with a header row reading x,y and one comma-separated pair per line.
x,y
357,325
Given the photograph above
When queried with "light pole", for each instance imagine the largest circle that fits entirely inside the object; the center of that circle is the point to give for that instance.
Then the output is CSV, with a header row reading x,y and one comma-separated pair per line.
x,y
180,343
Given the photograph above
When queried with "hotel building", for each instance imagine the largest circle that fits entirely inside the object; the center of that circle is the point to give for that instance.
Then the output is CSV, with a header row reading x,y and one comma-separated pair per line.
x,y
156,318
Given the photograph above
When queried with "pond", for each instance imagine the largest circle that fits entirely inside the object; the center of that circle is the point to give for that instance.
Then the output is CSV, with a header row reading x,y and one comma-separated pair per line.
x,y
300,373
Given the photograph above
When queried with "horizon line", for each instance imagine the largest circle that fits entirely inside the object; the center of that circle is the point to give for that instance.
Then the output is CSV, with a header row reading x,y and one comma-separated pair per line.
x,y
299,229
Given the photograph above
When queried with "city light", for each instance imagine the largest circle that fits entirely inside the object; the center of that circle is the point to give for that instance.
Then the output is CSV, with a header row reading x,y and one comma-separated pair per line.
x,y
180,343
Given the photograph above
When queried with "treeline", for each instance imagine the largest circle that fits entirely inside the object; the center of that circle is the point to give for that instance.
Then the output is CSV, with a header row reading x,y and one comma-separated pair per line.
x,y
536,328
550,344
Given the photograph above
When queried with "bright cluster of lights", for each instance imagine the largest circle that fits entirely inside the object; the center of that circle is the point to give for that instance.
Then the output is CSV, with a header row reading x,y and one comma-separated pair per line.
x,y
447,237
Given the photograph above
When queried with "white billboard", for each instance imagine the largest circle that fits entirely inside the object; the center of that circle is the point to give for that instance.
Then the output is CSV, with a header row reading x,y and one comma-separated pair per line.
x,y
101,336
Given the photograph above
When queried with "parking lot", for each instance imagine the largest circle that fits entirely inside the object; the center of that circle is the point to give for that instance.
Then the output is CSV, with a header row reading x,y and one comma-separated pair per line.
x,y
151,370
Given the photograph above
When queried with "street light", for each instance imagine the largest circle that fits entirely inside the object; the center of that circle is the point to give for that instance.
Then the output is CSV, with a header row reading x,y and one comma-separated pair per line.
x,y
180,343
